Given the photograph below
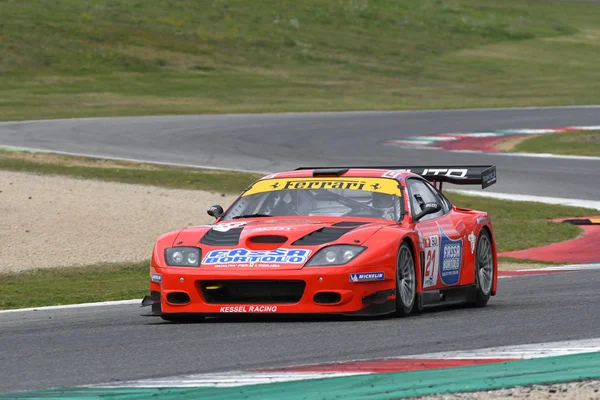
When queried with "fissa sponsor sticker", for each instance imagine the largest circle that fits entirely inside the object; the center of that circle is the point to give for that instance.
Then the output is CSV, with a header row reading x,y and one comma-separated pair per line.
x,y
248,309
450,258
367,276
156,278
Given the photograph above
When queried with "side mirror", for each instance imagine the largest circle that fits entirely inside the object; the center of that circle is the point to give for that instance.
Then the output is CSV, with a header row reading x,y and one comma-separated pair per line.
x,y
428,208
215,211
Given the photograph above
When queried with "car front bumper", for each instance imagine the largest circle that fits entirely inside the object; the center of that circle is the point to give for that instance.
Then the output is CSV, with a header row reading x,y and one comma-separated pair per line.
x,y
315,290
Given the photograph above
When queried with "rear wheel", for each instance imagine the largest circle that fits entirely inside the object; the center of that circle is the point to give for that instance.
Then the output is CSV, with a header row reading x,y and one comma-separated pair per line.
x,y
484,269
406,282
182,318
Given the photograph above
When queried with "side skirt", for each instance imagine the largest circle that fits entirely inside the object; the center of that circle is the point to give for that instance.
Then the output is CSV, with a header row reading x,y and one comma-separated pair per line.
x,y
446,297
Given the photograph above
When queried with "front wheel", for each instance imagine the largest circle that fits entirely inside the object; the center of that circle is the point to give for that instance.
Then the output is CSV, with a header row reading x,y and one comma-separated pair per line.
x,y
484,269
406,282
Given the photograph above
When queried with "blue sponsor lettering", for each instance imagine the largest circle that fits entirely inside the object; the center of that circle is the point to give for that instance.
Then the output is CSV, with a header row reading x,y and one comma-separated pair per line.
x,y
297,252
156,278
281,255
367,276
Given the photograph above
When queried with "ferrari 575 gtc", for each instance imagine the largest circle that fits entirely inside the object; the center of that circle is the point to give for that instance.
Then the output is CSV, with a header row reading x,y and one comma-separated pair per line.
x,y
344,240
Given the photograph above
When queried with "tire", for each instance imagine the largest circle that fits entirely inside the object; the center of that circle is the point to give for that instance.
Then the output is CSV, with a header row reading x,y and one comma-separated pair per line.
x,y
182,318
484,269
406,282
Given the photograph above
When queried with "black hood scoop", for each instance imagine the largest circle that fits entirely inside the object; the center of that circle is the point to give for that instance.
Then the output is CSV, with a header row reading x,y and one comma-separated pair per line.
x,y
350,223
322,236
230,237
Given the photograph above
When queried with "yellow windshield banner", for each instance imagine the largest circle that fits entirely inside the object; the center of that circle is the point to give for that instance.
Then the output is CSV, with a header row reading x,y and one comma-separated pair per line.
x,y
379,185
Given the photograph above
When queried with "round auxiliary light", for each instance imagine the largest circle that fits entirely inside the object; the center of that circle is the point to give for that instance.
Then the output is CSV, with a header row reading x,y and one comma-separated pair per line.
x,y
330,256
348,254
192,258
178,257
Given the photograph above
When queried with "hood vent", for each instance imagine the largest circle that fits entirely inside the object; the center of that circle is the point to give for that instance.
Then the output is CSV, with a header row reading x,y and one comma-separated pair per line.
x,y
322,236
268,239
350,223
219,238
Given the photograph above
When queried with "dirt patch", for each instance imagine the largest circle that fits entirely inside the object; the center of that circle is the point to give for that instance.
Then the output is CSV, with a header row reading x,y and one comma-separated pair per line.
x,y
572,390
52,221
510,144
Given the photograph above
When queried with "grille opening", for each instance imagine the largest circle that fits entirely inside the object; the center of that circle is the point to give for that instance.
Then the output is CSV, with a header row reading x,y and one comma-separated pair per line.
x,y
269,239
327,297
178,298
252,292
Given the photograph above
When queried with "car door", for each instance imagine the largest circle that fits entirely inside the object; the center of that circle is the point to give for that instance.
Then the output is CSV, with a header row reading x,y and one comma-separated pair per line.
x,y
442,237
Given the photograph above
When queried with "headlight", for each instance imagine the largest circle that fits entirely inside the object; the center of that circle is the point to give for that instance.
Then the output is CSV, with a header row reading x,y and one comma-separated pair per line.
x,y
335,255
182,256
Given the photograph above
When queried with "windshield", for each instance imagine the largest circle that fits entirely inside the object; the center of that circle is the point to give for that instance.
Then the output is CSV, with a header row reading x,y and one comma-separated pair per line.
x,y
351,197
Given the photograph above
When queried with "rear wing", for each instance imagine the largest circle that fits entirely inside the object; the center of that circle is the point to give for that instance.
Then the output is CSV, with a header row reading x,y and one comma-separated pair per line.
x,y
484,175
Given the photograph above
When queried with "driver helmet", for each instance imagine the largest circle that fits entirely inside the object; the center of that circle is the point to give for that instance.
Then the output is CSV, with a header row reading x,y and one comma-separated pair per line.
x,y
382,200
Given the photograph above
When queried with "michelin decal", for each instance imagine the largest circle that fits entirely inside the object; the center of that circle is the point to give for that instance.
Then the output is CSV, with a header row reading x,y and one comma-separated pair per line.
x,y
367,276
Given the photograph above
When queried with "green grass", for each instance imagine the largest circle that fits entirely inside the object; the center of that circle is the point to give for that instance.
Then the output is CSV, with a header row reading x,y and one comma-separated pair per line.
x,y
521,225
577,143
74,285
73,58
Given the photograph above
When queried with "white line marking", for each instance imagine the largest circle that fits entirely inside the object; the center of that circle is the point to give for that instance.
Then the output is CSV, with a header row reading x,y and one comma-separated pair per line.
x,y
527,351
82,305
476,134
227,379
433,139
571,267
538,199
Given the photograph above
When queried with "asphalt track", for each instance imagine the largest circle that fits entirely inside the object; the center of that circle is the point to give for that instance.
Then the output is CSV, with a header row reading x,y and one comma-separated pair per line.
x,y
67,347
70,347
273,142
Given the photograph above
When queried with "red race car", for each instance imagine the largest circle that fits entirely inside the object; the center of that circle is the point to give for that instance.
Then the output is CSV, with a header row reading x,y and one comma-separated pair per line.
x,y
344,240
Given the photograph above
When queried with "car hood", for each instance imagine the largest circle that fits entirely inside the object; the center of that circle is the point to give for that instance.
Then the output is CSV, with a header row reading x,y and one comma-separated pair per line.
x,y
281,243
